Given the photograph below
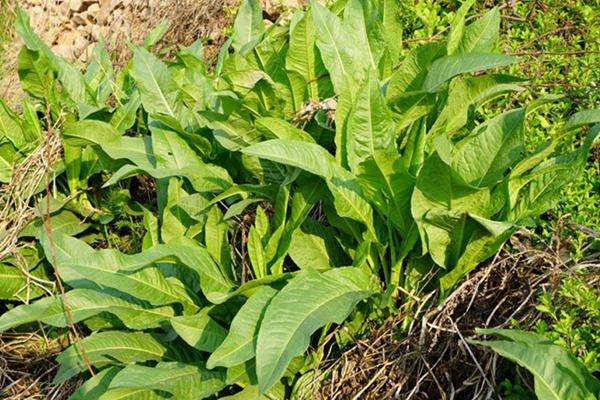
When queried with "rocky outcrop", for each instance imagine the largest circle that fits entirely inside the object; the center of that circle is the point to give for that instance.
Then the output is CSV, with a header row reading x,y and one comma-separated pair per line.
x,y
73,27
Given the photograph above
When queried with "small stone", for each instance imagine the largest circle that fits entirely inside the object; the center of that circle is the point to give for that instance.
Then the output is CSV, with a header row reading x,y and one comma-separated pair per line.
x,y
85,30
79,19
93,10
76,5
63,50
146,14
67,38
64,10
104,14
115,3
80,44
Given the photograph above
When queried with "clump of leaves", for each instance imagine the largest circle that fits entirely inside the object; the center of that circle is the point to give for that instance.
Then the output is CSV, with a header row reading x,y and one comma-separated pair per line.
x,y
352,176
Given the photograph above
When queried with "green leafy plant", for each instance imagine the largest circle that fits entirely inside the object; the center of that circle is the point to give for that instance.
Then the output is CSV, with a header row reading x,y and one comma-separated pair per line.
x,y
307,174
571,319
557,373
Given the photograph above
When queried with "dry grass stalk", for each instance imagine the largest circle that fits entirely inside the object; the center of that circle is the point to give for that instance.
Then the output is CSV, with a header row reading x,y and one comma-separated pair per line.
x,y
17,208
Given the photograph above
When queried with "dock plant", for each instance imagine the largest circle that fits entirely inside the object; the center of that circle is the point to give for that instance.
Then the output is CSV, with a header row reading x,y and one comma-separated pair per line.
x,y
305,173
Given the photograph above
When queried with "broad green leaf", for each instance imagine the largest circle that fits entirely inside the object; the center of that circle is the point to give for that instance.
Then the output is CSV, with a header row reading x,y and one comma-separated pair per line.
x,y
314,246
35,72
275,128
116,270
240,344
24,314
11,126
441,187
134,149
199,331
340,56
361,18
557,373
458,26
183,381
481,35
216,232
304,58
16,283
83,304
160,94
124,116
33,127
97,385
409,77
108,348
8,153
148,284
65,223
587,117
155,35
293,89
99,74
411,107
345,103
89,132
388,186
307,303
483,157
133,394
175,222
370,127
448,67
468,93
127,272
215,286
388,11
71,79
516,179
484,240
251,392
248,26
304,199
256,253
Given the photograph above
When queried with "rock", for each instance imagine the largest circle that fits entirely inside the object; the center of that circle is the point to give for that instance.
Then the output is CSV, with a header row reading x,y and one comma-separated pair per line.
x,y
146,14
93,11
79,45
115,4
76,5
67,38
64,10
63,50
103,14
85,30
79,19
